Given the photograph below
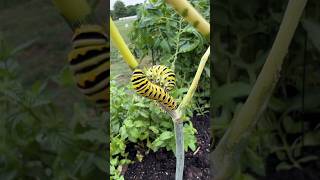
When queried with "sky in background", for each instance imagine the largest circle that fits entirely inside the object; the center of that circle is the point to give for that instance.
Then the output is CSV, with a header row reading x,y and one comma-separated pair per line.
x,y
126,2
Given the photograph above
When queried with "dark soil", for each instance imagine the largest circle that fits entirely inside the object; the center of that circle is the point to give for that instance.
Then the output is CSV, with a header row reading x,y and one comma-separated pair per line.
x,y
161,164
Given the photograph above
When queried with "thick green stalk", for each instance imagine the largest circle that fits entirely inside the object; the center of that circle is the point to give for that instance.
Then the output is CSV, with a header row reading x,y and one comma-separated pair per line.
x,y
194,84
233,142
178,129
122,46
190,14
75,12
177,117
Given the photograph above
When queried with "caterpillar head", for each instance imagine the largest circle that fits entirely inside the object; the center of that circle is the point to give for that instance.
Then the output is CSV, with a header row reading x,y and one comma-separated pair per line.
x,y
162,76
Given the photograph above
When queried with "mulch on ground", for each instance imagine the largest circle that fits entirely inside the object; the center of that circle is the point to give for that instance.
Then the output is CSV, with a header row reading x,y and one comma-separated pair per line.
x,y
161,165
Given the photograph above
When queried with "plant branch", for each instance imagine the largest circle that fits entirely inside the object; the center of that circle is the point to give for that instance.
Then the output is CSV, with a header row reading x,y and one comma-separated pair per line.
x,y
234,140
187,98
178,129
75,12
190,14
122,46
72,10
178,119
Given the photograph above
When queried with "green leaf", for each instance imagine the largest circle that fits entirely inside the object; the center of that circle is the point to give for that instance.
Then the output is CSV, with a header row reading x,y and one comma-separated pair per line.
x,y
65,77
144,114
166,135
134,134
291,126
283,166
101,163
128,123
94,135
192,146
255,162
154,129
139,123
313,29
308,159
312,138
227,92
188,46
165,46
38,87
123,132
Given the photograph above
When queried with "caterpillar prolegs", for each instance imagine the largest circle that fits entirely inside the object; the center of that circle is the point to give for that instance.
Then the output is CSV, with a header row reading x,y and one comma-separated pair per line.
x,y
90,63
148,87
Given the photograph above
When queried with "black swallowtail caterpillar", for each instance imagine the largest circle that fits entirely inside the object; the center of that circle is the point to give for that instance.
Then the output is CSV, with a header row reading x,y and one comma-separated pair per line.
x,y
149,87
90,63
162,76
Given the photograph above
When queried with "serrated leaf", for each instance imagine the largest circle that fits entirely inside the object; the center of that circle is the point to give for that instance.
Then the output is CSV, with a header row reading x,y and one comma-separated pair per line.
x,y
166,135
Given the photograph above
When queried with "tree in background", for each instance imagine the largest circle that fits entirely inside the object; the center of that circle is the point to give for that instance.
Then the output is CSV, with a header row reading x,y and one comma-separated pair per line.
x,y
120,10
132,9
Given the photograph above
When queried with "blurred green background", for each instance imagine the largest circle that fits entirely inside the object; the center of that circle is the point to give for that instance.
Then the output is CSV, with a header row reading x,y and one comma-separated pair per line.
x,y
47,128
285,142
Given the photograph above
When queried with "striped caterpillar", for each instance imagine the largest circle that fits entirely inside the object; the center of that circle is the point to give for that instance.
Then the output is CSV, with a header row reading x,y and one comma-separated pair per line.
x,y
162,76
148,87
90,63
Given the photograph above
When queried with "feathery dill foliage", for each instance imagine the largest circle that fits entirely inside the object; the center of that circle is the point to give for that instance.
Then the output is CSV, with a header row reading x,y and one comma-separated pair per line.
x,y
37,139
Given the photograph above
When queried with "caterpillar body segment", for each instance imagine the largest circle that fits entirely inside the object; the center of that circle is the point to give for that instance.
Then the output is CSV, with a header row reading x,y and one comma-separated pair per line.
x,y
89,61
88,35
162,76
146,88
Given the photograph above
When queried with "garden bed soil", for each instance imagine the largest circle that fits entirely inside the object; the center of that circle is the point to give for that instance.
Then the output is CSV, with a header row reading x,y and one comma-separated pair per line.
x,y
161,165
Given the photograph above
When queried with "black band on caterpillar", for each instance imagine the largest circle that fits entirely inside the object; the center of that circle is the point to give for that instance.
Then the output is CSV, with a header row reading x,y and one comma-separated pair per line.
x,y
146,88
90,63
162,76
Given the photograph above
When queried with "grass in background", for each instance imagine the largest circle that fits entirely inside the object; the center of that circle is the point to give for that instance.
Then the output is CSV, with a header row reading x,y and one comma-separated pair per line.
x,y
120,71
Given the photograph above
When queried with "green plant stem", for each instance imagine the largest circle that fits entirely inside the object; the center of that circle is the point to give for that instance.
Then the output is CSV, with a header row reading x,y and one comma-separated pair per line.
x,y
178,129
186,100
190,14
178,120
75,12
233,142
175,56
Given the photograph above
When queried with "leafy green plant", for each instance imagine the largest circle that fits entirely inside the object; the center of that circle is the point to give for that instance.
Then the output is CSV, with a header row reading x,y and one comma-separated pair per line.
x,y
141,121
162,33
177,114
38,140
